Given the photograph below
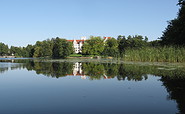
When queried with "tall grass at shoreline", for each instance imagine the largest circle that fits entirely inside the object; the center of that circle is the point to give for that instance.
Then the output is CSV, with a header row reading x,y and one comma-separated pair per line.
x,y
157,54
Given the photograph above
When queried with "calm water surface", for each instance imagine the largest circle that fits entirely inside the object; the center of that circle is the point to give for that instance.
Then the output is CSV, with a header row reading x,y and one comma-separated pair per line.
x,y
33,87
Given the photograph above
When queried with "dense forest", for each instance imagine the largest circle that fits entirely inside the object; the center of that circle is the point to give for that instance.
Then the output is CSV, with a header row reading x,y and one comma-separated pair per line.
x,y
168,48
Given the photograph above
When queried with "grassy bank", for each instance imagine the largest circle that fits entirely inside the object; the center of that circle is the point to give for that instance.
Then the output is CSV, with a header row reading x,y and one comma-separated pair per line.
x,y
75,55
160,54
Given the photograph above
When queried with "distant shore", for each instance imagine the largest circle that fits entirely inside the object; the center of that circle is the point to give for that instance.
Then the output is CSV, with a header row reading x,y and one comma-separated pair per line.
x,y
7,57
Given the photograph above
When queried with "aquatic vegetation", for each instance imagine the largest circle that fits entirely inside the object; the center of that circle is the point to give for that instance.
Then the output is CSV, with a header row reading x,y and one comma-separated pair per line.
x,y
158,54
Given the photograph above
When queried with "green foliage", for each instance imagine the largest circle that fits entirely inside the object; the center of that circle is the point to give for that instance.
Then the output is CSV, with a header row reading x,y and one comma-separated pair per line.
x,y
155,43
56,48
61,48
75,55
131,42
96,71
175,31
30,51
38,52
17,51
158,54
93,46
121,44
86,49
52,69
111,48
4,50
136,42
42,49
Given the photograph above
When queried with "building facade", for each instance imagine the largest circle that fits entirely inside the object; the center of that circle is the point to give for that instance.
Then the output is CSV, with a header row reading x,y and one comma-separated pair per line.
x,y
77,44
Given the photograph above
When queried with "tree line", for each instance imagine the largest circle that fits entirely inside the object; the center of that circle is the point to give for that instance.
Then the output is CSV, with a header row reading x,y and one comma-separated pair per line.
x,y
61,48
113,47
130,48
50,48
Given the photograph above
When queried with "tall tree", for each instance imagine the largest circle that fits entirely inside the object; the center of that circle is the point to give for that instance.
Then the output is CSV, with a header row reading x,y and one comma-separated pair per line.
x,y
4,50
17,51
43,49
111,48
61,48
38,49
30,50
175,31
121,44
93,46
136,41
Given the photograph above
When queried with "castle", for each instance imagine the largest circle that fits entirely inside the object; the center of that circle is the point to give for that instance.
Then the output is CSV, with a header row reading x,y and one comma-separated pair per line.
x,y
77,44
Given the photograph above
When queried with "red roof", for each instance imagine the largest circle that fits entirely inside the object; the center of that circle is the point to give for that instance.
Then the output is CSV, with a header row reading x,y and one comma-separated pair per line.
x,y
107,37
78,41
70,40
107,77
78,74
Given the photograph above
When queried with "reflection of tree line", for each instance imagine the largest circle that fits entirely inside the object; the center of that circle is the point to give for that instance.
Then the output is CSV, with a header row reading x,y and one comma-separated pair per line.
x,y
52,69
94,71
173,80
12,66
120,71
3,69
102,70
97,70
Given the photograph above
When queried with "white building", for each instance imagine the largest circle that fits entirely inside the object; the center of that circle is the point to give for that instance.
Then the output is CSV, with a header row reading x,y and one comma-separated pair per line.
x,y
77,44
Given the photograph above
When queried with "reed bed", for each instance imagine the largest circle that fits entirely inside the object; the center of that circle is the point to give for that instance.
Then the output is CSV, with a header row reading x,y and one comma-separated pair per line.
x,y
156,54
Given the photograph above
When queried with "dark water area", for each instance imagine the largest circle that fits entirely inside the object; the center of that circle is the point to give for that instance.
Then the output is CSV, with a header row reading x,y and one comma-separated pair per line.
x,y
41,87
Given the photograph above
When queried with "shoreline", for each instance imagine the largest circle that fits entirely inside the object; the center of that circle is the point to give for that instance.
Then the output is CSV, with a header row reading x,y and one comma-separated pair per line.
x,y
7,56
102,60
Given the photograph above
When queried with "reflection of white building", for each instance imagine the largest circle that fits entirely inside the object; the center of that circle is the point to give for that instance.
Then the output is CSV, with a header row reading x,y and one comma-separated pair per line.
x,y
77,70
77,44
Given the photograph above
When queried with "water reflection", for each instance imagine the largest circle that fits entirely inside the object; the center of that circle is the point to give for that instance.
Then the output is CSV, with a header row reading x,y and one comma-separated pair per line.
x,y
173,79
176,90
93,70
5,66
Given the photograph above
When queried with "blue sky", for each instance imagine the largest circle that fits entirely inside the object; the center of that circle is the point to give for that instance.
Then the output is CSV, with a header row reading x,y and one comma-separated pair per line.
x,y
24,22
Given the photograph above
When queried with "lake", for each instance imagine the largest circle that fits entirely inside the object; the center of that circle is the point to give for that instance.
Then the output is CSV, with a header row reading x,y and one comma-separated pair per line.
x,y
77,87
